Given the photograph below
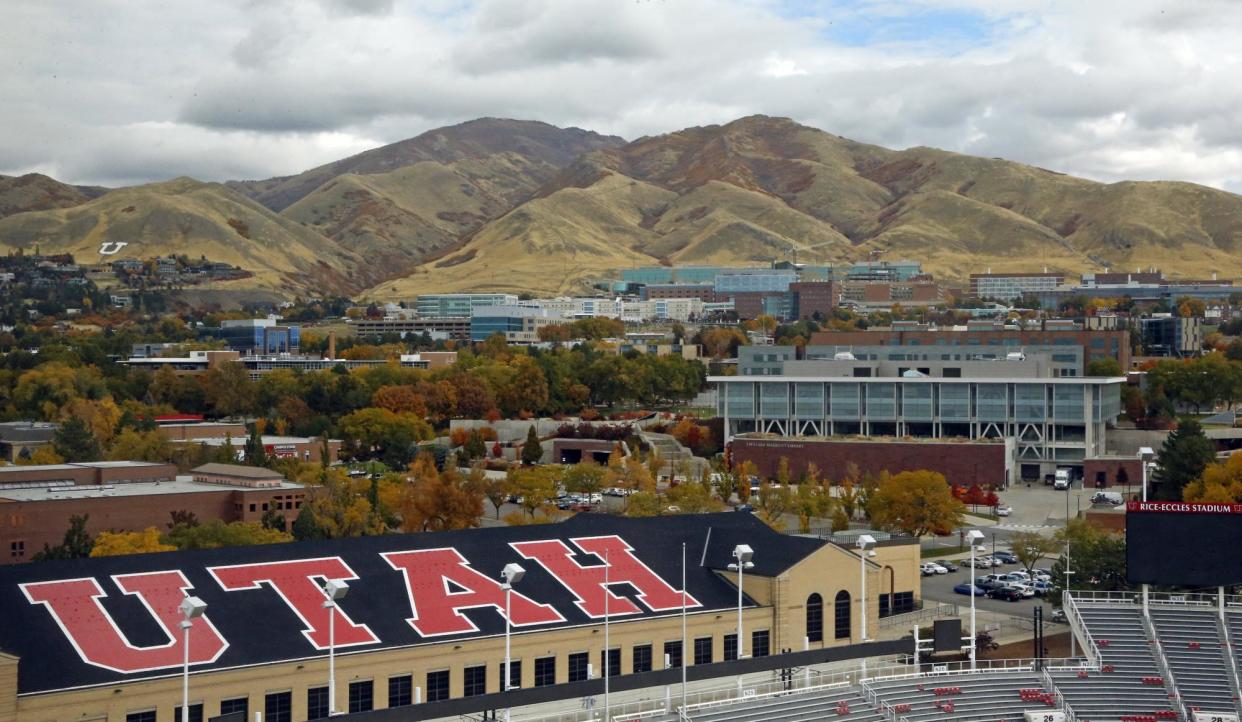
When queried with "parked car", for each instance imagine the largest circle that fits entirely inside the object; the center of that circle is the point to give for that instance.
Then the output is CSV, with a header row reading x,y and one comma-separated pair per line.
x,y
937,568
950,566
927,569
1006,557
744,507
1042,588
1041,575
1004,510
1018,576
1026,589
966,588
1058,615
1008,594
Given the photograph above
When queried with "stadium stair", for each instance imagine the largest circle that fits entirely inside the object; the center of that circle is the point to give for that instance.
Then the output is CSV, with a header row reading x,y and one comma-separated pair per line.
x,y
1192,644
992,696
1129,682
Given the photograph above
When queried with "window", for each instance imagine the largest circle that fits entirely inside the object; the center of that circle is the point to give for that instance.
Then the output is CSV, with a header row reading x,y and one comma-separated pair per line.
x,y
317,703
545,671
278,707
614,662
642,658
196,713
401,690
730,647
515,673
438,685
474,681
703,650
760,643
815,618
672,653
843,615
17,549
252,507
144,716
239,704
578,663
361,696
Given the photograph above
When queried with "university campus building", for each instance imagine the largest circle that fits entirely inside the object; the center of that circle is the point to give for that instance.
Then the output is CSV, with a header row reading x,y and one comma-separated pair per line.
x,y
423,620
1045,421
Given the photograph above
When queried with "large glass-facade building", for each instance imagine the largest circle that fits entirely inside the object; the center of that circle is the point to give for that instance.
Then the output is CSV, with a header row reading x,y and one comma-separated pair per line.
x,y
1054,422
443,305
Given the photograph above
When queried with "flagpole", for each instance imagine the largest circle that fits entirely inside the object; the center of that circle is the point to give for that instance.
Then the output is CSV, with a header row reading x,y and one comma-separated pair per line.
x,y
683,627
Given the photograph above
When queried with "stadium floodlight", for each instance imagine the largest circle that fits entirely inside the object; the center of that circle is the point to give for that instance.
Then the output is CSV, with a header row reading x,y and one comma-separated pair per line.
x,y
1145,455
512,574
973,537
743,554
865,542
335,590
191,608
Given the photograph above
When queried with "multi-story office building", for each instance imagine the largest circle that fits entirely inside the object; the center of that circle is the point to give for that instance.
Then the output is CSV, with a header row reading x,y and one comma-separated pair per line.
x,y
769,282
1169,335
518,324
1052,422
1070,346
440,305
256,336
438,327
1012,286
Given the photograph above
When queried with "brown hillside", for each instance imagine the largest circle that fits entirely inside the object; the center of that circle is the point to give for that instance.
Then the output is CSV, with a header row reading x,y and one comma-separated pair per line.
x,y
761,188
544,145
188,217
37,192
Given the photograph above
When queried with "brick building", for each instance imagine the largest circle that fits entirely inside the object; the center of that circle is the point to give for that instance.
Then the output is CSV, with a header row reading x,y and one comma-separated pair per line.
x,y
962,462
37,502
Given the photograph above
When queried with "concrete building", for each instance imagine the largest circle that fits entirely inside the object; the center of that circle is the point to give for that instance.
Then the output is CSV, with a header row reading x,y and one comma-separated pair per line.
x,y
20,439
423,618
1052,422
1167,335
199,361
36,502
459,305
256,336
518,324
1012,286
1070,346
456,328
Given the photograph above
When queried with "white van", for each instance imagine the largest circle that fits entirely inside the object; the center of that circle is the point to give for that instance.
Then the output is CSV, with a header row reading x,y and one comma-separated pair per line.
x,y
1061,480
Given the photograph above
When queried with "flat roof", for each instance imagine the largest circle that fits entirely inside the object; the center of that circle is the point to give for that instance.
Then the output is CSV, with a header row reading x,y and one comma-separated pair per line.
x,y
182,485
1071,380
238,470
79,465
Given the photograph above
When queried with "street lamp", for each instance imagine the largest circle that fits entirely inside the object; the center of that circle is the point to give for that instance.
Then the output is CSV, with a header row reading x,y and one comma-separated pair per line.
x,y
743,554
1145,454
865,542
191,608
335,590
512,574
974,536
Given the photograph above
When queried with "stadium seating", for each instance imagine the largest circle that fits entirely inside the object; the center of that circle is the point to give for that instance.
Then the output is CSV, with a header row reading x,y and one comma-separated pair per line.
x,y
1192,645
1126,652
1001,695
842,704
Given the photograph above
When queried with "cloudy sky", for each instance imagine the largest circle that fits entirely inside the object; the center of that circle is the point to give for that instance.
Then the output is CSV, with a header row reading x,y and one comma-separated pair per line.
x,y
125,91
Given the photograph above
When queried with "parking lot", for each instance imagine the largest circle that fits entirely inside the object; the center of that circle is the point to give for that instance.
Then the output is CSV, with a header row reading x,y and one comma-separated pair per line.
x,y
939,588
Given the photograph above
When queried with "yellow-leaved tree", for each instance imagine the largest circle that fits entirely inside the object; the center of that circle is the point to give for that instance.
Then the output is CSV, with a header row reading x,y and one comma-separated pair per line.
x,y
116,543
1221,483
916,503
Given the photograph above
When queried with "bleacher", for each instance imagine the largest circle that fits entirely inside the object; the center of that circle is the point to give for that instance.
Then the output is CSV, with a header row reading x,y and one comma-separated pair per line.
x,y
1128,681
1124,684
1003,695
1195,651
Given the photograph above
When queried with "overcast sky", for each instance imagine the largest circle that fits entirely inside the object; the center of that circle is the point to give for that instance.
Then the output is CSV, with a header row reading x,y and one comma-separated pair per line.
x,y
126,91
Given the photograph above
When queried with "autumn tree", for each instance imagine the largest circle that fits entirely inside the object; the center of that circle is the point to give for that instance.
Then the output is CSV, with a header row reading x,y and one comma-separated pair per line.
x,y
227,388
399,400
643,503
42,455
134,445
216,533
1220,483
1030,547
438,501
496,490
535,487
586,477
916,503
147,541
693,497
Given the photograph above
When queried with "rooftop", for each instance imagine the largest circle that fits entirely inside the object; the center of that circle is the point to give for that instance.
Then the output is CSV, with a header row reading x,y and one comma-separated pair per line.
x,y
237,470
182,485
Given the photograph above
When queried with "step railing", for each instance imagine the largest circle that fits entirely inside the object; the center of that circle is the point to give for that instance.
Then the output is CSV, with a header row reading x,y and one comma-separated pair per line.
x,y
1231,660
1062,704
1162,662
1074,617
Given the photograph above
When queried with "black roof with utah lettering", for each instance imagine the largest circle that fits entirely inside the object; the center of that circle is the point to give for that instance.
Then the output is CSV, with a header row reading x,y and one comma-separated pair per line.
x,y
98,621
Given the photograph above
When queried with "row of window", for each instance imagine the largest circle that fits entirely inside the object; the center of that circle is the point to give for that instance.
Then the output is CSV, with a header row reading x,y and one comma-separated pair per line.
x,y
278,705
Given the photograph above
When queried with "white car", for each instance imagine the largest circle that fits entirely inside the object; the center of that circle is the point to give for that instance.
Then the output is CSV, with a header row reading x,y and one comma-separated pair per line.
x,y
1026,589
937,568
1040,575
1004,510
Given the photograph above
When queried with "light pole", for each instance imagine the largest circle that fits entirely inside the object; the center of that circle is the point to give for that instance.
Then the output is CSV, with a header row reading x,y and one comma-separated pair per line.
x,y
335,590
743,554
865,542
191,608
512,574
1145,454
974,536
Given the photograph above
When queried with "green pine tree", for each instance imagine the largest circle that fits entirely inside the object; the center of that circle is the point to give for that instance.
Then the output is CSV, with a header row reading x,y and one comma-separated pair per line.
x,y
77,544
256,455
74,441
532,452
306,526
1185,454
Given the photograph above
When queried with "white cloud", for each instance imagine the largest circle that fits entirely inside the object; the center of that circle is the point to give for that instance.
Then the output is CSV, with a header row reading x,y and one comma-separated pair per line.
x,y
122,91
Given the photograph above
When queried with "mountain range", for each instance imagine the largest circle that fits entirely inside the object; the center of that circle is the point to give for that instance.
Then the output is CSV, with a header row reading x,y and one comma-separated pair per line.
x,y
509,205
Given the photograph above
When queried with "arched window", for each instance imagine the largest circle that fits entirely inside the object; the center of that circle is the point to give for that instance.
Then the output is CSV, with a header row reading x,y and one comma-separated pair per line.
x,y
843,615
815,618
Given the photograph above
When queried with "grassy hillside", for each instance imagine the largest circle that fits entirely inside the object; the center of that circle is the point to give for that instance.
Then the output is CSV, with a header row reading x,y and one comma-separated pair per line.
x,y
37,192
185,216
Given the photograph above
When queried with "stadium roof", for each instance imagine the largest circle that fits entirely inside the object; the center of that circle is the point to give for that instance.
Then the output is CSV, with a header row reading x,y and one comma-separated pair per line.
x,y
52,620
